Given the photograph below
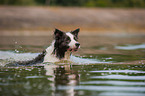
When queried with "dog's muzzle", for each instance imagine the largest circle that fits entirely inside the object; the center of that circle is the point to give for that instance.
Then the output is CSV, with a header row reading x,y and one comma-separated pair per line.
x,y
77,46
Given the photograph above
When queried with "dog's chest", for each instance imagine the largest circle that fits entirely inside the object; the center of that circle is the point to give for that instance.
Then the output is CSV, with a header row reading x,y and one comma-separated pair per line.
x,y
49,57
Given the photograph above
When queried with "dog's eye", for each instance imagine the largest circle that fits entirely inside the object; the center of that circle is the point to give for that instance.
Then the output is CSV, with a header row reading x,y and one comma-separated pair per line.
x,y
68,40
75,38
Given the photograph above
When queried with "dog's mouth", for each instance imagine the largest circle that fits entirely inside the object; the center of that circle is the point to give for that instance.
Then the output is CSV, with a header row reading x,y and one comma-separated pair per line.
x,y
73,49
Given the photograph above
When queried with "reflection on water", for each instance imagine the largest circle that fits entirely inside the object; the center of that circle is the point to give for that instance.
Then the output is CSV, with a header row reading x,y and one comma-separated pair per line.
x,y
73,80
42,80
62,75
98,69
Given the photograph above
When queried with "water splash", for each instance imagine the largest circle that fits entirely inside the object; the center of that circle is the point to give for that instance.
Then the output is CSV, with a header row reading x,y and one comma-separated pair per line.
x,y
10,56
7,57
80,60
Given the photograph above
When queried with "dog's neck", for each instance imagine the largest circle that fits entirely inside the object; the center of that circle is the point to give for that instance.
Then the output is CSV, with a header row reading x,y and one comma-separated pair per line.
x,y
67,55
60,53
53,56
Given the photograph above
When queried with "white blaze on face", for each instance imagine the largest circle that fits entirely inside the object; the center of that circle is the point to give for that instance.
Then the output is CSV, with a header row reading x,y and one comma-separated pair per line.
x,y
72,42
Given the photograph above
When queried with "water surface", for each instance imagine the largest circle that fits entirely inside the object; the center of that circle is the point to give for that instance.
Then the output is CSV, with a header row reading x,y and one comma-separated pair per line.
x,y
104,66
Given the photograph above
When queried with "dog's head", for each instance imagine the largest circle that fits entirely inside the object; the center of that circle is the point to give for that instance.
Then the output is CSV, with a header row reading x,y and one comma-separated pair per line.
x,y
66,41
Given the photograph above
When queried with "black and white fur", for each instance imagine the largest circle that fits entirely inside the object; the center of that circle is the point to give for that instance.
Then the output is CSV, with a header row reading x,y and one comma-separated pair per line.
x,y
60,49
63,45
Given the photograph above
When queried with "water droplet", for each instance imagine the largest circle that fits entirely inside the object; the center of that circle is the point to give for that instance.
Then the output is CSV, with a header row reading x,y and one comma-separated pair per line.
x,y
16,51
109,69
105,68
102,74
91,56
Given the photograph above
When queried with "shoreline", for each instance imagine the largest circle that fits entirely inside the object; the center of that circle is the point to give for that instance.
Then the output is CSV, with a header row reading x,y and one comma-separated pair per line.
x,y
42,20
82,33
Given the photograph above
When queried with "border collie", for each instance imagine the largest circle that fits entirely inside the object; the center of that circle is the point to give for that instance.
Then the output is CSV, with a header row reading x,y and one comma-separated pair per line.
x,y
60,49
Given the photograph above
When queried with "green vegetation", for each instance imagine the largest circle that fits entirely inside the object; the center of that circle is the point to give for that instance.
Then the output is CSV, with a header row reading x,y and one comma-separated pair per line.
x,y
83,3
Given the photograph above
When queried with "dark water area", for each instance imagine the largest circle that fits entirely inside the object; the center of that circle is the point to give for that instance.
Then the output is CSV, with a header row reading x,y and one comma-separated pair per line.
x,y
104,66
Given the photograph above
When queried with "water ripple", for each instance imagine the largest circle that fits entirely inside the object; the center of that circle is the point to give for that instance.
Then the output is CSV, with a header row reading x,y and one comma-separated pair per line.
x,y
124,77
104,88
118,71
115,83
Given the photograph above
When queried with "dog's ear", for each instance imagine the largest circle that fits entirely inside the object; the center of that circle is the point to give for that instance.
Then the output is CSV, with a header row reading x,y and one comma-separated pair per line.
x,y
58,34
75,32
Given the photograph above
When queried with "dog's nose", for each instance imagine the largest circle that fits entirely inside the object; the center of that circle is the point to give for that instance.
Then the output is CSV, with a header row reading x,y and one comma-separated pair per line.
x,y
77,44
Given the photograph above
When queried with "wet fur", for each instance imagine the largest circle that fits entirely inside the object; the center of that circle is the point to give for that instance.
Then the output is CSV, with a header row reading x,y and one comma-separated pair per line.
x,y
60,48
38,59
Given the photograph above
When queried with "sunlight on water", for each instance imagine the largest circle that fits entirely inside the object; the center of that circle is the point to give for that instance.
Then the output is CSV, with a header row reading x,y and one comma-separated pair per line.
x,y
126,77
118,71
105,88
131,47
122,83
121,94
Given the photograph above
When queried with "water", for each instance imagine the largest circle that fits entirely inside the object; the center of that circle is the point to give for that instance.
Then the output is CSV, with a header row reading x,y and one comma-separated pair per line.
x,y
104,66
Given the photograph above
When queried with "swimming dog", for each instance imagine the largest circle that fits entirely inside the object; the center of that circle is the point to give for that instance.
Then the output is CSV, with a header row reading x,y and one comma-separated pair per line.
x,y
60,49
63,45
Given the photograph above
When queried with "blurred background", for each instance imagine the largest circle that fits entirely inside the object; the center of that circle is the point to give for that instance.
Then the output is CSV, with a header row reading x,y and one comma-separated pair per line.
x,y
40,17
110,62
